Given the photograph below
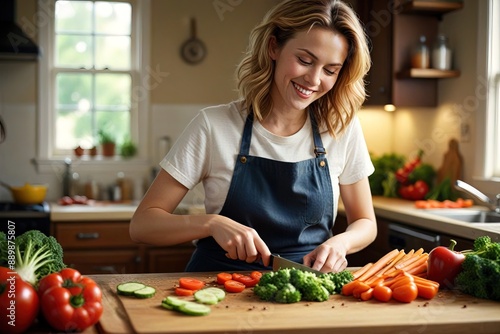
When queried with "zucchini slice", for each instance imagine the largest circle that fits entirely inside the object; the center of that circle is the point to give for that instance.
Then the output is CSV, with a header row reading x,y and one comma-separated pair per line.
x,y
127,289
192,308
146,292
206,297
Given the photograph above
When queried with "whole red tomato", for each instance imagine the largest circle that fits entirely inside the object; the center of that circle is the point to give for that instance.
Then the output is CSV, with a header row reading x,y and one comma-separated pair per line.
x,y
70,301
444,264
415,192
19,303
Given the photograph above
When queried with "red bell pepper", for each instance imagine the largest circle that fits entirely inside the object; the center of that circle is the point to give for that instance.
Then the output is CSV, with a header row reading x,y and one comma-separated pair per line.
x,y
70,301
444,264
414,192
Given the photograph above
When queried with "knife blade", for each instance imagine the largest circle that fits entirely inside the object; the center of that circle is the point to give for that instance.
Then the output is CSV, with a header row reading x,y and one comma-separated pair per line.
x,y
280,263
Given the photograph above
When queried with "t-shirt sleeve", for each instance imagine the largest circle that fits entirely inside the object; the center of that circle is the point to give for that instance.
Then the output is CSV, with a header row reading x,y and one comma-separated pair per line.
x,y
187,161
358,164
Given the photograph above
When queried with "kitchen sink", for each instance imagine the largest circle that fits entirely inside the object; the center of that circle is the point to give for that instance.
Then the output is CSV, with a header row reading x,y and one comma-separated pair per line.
x,y
468,216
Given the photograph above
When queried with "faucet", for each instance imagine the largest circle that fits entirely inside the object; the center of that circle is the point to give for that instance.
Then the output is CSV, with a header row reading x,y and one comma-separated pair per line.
x,y
67,177
482,198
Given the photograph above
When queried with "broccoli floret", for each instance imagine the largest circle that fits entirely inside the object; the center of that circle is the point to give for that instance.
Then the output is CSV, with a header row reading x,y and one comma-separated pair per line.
x,y
3,249
327,283
313,290
479,277
281,278
267,278
266,291
37,255
287,294
340,279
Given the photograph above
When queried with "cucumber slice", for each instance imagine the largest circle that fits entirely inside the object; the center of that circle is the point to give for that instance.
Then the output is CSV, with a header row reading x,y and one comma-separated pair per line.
x,y
174,302
127,289
191,308
146,292
219,293
206,297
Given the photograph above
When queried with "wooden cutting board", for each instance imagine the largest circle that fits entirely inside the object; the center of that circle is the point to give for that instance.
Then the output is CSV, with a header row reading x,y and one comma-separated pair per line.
x,y
449,312
452,164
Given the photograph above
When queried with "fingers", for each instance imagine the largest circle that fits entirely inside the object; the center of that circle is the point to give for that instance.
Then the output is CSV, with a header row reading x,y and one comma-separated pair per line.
x,y
325,259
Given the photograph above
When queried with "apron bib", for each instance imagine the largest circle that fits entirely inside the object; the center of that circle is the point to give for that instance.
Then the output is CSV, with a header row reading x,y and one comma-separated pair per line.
x,y
290,205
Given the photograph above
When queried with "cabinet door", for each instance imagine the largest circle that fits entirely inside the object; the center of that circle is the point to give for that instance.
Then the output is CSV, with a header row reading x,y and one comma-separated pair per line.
x,y
462,244
168,259
75,235
105,262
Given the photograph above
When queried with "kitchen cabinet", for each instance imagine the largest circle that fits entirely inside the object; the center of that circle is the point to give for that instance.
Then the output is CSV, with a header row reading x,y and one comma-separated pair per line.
x,y
105,247
393,28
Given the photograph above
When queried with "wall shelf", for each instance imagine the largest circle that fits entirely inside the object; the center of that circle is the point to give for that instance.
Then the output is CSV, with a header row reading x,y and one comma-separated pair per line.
x,y
428,7
427,73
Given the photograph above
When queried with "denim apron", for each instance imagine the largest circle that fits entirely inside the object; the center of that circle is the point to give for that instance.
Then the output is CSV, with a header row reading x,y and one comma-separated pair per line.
x,y
290,205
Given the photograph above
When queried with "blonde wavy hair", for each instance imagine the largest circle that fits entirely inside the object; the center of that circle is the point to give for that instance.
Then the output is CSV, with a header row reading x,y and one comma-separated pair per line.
x,y
255,73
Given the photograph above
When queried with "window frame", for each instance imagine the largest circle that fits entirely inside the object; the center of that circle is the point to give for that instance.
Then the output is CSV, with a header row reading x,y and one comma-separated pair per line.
x,y
140,104
486,175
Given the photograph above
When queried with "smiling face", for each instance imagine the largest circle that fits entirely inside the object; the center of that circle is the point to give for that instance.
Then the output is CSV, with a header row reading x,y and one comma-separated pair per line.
x,y
306,67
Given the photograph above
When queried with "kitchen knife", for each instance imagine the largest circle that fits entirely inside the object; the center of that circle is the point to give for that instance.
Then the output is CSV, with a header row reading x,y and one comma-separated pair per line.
x,y
280,263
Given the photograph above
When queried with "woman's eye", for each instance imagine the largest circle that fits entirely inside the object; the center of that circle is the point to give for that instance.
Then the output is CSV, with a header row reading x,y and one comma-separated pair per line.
x,y
303,61
328,72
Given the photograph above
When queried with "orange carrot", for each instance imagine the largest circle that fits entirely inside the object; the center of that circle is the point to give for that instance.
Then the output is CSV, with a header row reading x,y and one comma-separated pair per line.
x,y
358,290
421,259
362,270
366,295
348,288
379,264
421,268
410,260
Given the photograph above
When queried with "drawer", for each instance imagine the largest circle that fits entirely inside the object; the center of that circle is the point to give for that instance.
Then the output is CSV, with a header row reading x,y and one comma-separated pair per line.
x,y
121,261
93,235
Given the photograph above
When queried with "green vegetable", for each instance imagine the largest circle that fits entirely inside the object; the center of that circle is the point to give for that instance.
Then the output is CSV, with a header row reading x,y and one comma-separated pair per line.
x,y
128,289
292,285
184,306
206,297
146,292
36,255
136,289
385,165
424,172
442,191
480,275
287,294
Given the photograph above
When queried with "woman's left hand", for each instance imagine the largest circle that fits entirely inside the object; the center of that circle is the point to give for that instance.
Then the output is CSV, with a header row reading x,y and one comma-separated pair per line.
x,y
327,258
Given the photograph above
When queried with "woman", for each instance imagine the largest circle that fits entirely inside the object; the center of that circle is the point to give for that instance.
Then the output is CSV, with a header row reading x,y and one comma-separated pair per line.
x,y
274,164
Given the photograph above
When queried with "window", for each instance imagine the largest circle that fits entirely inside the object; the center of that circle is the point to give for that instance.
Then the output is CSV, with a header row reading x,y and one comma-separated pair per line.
x,y
487,172
89,74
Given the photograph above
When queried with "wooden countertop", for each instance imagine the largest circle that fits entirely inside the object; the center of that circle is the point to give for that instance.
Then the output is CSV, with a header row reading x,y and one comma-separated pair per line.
x,y
449,312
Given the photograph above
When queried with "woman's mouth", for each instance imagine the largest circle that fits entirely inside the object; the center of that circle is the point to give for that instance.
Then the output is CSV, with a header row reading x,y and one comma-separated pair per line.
x,y
302,91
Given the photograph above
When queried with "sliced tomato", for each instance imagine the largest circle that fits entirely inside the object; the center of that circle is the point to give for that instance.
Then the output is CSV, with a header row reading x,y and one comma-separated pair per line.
x,y
184,292
247,280
191,283
223,277
236,276
234,286
256,274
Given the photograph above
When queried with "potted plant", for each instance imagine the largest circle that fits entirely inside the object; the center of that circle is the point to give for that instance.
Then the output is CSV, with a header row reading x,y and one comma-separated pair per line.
x,y
107,142
128,148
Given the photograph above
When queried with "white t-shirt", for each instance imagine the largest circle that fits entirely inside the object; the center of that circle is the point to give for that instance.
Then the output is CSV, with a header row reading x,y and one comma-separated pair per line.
x,y
207,149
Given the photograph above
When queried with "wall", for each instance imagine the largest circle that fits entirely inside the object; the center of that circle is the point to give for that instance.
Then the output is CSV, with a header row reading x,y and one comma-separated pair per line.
x,y
188,88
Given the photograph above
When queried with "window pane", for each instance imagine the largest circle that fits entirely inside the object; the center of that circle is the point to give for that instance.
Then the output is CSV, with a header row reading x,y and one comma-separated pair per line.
x,y
74,128
73,16
113,52
113,91
113,18
74,51
74,91
117,123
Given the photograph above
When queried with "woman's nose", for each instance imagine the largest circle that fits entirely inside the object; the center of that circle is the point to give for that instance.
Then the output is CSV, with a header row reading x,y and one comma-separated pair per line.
x,y
313,77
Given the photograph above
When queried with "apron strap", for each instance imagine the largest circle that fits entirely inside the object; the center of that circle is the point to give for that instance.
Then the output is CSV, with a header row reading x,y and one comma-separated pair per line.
x,y
319,150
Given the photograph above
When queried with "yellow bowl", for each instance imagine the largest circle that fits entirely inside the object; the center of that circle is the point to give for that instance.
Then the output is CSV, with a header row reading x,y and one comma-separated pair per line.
x,y
29,193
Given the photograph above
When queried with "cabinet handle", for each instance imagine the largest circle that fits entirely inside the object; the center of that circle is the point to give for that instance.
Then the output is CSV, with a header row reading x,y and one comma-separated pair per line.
x,y
83,236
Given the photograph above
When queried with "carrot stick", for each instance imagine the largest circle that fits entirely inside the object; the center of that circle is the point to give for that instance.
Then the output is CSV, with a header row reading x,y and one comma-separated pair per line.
x,y
422,268
362,270
379,264
410,260
422,259
389,266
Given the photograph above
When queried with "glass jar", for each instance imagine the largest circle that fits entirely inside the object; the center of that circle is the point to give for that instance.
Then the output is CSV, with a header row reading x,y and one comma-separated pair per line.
x,y
421,56
441,54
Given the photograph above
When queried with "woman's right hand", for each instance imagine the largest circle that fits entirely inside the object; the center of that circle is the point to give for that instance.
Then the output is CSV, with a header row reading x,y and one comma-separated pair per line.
x,y
239,241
